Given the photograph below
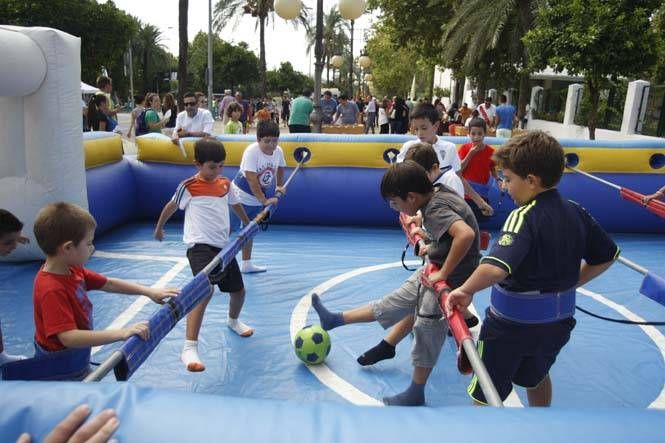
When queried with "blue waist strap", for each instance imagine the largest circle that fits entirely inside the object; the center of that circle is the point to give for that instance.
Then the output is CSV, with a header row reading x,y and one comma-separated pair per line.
x,y
68,364
240,181
532,307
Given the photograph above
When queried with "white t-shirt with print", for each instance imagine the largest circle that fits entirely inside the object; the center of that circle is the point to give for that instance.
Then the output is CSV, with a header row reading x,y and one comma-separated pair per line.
x,y
445,151
265,166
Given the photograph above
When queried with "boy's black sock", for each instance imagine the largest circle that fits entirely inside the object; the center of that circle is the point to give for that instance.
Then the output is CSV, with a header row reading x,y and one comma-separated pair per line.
x,y
329,320
382,351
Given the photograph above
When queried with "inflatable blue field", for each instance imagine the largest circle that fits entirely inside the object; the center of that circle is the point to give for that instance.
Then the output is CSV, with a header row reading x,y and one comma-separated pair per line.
x,y
334,235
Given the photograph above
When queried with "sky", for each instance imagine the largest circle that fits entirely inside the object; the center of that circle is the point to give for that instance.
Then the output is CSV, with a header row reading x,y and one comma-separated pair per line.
x,y
283,41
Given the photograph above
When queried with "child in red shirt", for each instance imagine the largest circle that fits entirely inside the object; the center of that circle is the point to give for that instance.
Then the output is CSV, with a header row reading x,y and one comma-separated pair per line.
x,y
477,163
62,310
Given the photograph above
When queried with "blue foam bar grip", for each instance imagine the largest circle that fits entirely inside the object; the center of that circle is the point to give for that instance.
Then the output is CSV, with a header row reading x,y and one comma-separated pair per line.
x,y
653,286
136,350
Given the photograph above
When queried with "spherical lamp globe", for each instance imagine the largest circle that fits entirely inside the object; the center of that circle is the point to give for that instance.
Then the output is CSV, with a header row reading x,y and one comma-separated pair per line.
x,y
352,9
288,9
364,61
337,61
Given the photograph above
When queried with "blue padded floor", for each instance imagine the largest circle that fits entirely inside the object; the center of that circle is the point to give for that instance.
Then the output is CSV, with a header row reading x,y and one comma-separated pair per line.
x,y
604,365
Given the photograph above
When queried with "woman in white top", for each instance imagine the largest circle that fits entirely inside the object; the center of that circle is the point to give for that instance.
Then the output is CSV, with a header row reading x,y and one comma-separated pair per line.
x,y
384,123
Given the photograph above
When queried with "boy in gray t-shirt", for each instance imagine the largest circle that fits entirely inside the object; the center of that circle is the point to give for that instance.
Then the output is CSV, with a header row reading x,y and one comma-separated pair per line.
x,y
455,247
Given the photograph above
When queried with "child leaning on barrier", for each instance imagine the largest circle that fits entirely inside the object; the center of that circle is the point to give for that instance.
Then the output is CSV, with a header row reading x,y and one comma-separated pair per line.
x,y
455,247
205,198
10,238
62,309
533,269
261,167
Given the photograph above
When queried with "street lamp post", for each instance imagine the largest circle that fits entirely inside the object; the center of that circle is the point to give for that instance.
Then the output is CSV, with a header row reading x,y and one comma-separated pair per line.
x,y
351,10
209,71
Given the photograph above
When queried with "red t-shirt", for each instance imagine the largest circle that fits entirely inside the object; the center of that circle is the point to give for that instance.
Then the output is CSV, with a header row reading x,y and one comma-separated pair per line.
x,y
479,168
61,304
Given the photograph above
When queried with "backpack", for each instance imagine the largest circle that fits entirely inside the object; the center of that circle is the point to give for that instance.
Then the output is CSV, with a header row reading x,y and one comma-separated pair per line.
x,y
141,125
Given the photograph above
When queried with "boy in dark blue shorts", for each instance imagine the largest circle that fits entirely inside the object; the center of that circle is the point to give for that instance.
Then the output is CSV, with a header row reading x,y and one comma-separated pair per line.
x,y
533,269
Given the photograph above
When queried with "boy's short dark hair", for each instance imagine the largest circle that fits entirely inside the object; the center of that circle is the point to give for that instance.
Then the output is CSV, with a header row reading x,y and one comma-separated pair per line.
x,y
209,149
233,107
189,94
478,123
423,154
405,177
59,223
9,224
139,98
266,128
425,110
343,97
534,153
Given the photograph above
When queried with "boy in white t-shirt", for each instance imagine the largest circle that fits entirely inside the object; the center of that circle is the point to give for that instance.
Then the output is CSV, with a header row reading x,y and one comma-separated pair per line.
x,y
205,198
262,165
425,119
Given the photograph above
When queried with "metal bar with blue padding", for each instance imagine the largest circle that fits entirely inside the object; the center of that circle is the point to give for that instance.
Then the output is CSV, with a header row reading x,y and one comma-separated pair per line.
x,y
126,360
653,286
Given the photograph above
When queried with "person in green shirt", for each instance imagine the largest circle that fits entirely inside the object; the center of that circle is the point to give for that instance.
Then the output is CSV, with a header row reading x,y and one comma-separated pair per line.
x,y
301,108
234,126
152,119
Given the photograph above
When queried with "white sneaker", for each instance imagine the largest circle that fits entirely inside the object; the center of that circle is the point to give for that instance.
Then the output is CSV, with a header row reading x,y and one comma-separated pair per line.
x,y
247,267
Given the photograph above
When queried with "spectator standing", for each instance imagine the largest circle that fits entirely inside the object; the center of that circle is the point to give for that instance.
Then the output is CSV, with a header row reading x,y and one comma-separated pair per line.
x,y
328,107
301,108
506,118
370,109
347,112
224,104
487,112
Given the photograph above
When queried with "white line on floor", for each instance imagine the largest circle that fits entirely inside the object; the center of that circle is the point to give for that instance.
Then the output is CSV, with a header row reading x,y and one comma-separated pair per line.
x,y
653,333
128,314
343,388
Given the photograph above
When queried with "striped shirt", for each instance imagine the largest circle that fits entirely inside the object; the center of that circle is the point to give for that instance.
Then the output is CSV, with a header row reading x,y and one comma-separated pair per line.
x,y
206,206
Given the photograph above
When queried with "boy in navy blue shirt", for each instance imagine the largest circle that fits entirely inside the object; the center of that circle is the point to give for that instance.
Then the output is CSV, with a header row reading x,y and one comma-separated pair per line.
x,y
533,269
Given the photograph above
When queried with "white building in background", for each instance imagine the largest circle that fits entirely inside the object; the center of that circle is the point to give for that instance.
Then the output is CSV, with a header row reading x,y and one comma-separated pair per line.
x,y
443,78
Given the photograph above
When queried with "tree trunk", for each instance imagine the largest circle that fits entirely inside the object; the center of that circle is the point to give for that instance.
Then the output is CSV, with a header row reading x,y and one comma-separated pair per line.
x,y
146,77
526,17
523,95
458,92
594,96
262,54
430,89
183,8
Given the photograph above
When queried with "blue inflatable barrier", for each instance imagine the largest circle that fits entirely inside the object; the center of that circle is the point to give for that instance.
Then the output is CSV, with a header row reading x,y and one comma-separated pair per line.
x,y
153,415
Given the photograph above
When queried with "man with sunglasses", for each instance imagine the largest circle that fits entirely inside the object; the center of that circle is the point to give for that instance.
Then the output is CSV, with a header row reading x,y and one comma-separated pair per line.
x,y
193,121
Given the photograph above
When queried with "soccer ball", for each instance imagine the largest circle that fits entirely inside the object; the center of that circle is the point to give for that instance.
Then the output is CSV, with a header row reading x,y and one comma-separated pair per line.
x,y
312,344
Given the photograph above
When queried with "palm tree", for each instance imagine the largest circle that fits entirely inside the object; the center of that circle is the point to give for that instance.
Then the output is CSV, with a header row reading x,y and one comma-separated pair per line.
x,y
334,37
227,10
479,27
148,47
183,9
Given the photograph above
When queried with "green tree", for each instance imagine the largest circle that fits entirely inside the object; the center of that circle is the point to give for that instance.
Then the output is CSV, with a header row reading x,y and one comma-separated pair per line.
x,y
286,78
104,30
263,10
658,25
479,27
335,38
595,38
235,67
389,77
417,25
148,49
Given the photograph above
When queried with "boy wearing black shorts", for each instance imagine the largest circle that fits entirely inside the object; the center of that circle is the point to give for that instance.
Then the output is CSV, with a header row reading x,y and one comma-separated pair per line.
x,y
205,198
547,248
